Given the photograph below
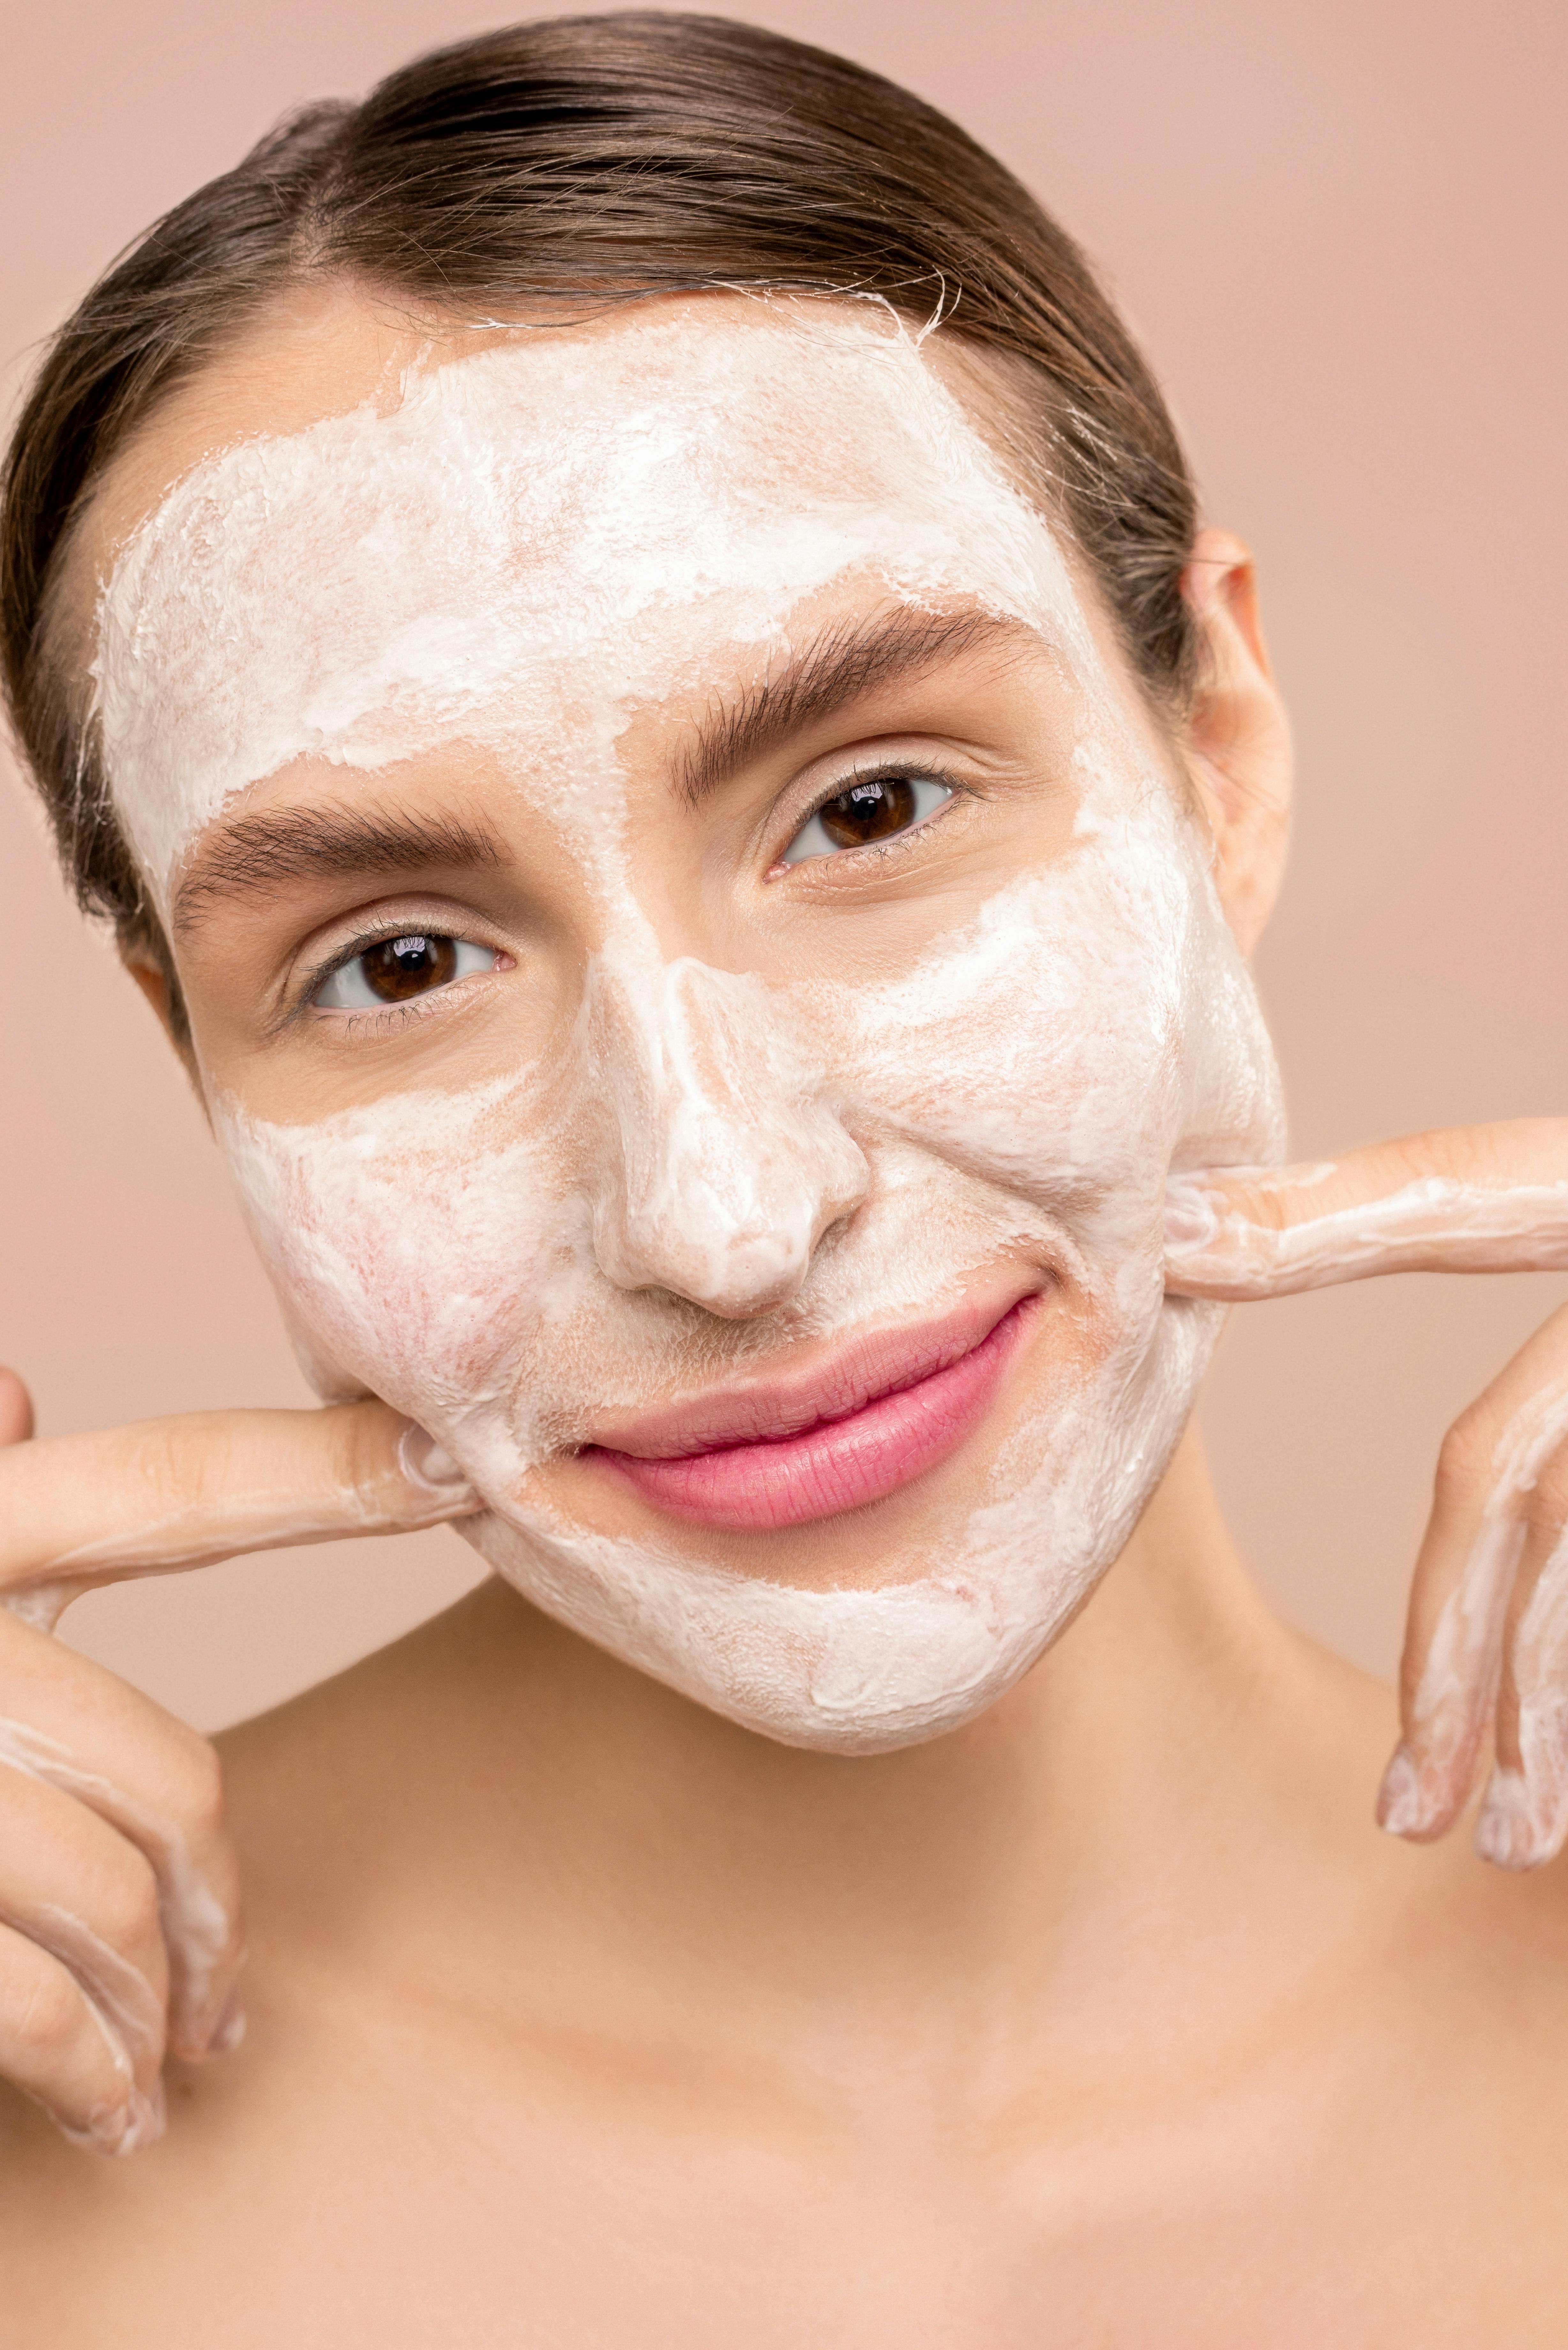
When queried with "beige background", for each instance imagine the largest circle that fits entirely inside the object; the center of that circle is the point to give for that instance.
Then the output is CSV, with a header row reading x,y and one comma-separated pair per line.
x,y
1337,224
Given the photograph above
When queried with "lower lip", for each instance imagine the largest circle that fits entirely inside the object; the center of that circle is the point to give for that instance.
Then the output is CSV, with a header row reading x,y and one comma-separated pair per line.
x,y
840,1464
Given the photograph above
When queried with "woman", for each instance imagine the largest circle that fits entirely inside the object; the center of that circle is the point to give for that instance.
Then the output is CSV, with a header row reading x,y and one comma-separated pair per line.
x,y
624,639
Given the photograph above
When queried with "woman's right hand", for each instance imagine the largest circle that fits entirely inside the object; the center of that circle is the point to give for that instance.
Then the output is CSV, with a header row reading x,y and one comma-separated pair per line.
x,y
120,1914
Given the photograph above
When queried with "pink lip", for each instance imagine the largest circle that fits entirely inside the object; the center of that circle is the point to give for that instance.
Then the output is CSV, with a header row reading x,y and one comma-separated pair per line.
x,y
785,1450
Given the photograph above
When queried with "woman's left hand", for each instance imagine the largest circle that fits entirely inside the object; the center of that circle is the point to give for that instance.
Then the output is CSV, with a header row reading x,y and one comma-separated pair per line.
x,y
1487,1635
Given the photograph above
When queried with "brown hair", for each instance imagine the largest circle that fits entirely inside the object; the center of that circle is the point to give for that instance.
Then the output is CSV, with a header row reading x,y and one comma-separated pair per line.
x,y
615,156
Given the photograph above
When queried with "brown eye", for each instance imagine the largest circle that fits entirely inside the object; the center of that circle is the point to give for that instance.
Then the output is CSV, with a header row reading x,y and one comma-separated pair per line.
x,y
395,971
400,968
872,808
869,811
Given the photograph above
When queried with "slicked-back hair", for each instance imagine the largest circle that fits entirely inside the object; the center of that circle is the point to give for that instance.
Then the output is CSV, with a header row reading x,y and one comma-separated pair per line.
x,y
602,158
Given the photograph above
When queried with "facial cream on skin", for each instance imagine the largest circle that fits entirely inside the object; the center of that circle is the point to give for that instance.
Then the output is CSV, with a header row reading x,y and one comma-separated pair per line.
x,y
532,549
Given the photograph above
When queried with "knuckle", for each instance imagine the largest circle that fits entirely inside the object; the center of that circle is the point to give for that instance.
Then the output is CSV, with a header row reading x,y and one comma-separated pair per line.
x,y
186,1462
1464,1457
361,1444
127,1912
1546,1505
195,1785
1264,1207
47,2011
161,1460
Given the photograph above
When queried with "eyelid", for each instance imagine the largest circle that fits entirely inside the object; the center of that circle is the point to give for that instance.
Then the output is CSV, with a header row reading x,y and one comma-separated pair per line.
x,y
340,982
917,770
443,923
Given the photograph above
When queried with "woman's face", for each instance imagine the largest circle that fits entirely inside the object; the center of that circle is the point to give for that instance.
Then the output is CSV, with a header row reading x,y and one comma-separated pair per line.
x,y
701,965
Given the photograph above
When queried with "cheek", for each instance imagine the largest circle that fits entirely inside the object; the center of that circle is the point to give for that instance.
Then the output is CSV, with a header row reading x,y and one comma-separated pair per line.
x,y
1044,1053
419,1270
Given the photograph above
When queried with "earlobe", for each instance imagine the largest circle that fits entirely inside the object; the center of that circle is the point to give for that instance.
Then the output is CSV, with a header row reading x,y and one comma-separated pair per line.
x,y
1236,738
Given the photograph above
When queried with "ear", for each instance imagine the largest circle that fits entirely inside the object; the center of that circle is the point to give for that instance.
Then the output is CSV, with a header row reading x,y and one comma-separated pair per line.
x,y
1236,738
153,980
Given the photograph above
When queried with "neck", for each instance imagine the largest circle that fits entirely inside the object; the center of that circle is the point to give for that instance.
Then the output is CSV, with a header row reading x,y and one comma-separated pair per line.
x,y
580,1832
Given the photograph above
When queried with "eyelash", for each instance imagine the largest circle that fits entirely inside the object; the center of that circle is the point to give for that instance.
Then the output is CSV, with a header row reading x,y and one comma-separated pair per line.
x,y
902,769
415,1008
381,1017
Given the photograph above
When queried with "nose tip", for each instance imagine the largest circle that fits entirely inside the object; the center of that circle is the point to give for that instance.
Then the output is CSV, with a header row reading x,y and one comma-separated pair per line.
x,y
726,1166
730,1219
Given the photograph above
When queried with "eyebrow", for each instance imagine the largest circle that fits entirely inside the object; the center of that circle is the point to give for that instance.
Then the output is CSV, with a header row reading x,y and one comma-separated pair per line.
x,y
827,677
267,851
260,852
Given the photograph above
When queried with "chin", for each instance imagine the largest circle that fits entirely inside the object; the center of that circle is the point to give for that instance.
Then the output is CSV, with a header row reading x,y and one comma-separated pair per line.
x,y
868,1669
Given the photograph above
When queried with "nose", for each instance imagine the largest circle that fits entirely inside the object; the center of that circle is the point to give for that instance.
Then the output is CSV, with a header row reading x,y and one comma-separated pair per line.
x,y
722,1165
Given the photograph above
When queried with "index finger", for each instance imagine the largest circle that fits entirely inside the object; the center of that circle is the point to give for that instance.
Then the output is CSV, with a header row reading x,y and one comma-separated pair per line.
x,y
164,1494
1472,1199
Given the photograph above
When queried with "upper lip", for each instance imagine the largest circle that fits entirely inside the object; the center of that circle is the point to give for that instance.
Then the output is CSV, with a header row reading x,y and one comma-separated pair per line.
x,y
823,1383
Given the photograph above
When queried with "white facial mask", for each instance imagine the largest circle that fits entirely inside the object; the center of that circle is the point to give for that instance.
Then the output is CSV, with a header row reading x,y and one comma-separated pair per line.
x,y
539,541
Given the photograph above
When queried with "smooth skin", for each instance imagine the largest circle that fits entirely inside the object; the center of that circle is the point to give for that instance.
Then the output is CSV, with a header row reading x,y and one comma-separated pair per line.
x,y
578,2015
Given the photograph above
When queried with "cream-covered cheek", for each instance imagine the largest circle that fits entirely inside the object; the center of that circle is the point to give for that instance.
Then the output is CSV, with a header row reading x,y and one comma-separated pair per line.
x,y
537,543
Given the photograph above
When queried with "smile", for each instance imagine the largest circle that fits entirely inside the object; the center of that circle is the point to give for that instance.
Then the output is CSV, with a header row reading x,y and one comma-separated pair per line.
x,y
782,1452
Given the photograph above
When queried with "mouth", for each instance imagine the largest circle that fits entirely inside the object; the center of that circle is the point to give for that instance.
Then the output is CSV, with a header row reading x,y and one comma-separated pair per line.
x,y
851,1431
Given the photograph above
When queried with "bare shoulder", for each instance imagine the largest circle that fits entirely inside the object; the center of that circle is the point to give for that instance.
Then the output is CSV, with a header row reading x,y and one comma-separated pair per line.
x,y
1440,2164
1495,1969
1491,1947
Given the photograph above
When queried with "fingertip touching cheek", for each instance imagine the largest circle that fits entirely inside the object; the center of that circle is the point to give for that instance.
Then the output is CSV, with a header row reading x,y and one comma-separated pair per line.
x,y
800,1319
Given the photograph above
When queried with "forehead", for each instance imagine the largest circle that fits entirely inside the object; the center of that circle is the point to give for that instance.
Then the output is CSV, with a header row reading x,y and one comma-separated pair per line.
x,y
326,349
521,524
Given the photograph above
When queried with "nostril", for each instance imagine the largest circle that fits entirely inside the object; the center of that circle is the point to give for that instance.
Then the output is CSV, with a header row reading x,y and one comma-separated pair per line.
x,y
702,1256
738,1242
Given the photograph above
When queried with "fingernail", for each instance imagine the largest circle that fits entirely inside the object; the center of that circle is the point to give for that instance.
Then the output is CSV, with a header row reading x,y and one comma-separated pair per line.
x,y
1191,1222
103,2132
425,1462
1505,1830
230,2028
1404,1807
126,2129
148,2115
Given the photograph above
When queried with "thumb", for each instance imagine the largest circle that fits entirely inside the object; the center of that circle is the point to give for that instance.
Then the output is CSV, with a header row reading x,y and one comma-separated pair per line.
x,y
1475,1199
